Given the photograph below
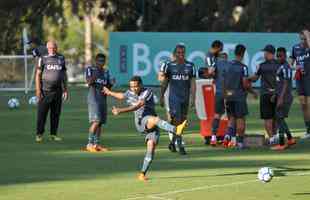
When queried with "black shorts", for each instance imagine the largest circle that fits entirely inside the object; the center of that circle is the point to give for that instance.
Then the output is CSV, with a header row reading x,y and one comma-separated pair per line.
x,y
219,104
237,109
303,87
267,107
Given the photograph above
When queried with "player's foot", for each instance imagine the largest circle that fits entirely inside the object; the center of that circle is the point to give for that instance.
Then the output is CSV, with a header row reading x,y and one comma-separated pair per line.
x,y
100,148
291,142
39,139
180,128
172,147
226,141
213,141
279,147
142,177
306,136
182,151
91,148
240,146
55,138
273,140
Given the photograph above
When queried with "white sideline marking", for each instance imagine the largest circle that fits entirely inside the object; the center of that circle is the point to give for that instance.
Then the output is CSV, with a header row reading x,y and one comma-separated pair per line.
x,y
156,196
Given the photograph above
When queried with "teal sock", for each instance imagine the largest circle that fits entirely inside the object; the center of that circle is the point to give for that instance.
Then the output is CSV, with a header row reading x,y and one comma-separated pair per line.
x,y
96,139
91,138
147,161
166,126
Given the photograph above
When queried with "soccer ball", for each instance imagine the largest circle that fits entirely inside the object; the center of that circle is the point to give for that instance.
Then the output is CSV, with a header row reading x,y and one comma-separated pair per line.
x,y
13,103
33,100
265,174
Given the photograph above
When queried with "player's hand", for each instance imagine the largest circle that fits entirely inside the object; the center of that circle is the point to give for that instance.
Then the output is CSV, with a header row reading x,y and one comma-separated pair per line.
x,y
65,95
115,110
106,91
280,102
211,71
39,95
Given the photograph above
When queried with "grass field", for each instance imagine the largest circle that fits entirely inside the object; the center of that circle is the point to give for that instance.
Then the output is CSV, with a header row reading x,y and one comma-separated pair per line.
x,y
60,171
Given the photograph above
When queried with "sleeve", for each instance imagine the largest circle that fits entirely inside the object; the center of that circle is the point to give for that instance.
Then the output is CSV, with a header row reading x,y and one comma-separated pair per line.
x,y
245,71
286,73
146,95
88,73
40,64
111,79
127,94
209,61
194,71
163,67
64,64
293,55
258,71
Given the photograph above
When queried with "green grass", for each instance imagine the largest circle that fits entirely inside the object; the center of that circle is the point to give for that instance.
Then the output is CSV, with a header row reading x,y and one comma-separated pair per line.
x,y
60,171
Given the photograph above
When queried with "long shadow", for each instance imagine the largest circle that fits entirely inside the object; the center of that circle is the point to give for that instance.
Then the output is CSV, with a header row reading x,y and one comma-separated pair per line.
x,y
301,193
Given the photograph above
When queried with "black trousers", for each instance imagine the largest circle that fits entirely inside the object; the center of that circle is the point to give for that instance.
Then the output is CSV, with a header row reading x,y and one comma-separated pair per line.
x,y
52,100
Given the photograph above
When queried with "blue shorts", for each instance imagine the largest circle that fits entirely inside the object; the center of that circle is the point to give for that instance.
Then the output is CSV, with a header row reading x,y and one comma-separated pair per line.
x,y
97,113
178,110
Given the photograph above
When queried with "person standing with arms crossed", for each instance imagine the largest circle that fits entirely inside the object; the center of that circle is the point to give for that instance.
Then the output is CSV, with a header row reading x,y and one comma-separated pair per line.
x,y
51,89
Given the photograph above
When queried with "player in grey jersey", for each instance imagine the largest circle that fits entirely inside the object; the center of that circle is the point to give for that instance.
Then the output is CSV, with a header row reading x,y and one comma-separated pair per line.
x,y
141,102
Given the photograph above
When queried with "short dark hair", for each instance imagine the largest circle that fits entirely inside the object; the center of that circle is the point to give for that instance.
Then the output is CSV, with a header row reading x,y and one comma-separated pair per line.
x,y
179,45
100,55
281,49
217,44
136,78
240,50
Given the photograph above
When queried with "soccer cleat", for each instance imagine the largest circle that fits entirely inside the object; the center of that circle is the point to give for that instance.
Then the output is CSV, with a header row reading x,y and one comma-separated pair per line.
x,y
100,148
279,147
39,138
273,140
142,177
306,136
213,141
182,151
180,128
91,148
291,142
55,138
225,143
172,147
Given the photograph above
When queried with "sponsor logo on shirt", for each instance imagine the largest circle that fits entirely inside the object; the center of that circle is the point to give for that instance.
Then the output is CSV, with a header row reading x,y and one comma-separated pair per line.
x,y
180,77
53,67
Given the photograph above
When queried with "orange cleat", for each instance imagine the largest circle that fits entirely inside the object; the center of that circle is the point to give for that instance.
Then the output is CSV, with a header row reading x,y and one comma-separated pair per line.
x,y
291,142
232,144
279,147
101,148
142,177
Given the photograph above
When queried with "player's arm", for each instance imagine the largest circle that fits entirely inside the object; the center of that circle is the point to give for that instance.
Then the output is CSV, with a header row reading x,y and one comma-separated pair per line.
x,y
65,82
38,79
255,76
117,95
246,83
117,110
193,91
287,77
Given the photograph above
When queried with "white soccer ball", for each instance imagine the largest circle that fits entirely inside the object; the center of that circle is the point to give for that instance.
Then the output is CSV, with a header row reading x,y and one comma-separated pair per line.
x,y
13,103
265,174
33,100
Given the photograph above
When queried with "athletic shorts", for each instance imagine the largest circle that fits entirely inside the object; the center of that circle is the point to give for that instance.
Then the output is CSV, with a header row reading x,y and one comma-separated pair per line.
x,y
152,134
303,87
97,113
283,111
237,109
267,107
219,104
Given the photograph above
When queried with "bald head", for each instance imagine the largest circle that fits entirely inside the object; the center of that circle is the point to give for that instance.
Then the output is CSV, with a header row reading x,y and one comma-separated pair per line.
x,y
51,47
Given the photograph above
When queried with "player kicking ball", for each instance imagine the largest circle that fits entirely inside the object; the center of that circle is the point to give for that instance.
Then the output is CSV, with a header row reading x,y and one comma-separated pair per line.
x,y
141,102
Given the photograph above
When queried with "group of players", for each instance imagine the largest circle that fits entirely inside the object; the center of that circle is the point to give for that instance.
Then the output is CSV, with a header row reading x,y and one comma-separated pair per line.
x,y
178,88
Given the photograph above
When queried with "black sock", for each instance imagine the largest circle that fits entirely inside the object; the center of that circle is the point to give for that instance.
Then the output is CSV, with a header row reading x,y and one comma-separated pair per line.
x,y
282,130
215,126
307,124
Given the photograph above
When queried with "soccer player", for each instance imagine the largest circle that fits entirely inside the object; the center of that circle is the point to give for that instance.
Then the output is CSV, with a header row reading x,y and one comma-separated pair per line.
x,y
284,99
235,92
300,55
180,75
267,72
214,68
97,77
141,102
51,89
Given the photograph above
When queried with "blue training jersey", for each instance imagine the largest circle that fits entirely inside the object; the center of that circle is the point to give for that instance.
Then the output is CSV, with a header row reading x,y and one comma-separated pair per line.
x,y
179,77
299,54
102,78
